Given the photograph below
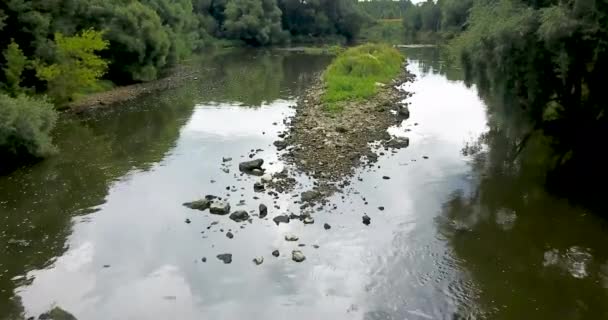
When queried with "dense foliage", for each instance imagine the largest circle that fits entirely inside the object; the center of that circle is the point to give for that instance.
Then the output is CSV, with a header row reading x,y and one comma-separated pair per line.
x,y
25,124
356,73
541,65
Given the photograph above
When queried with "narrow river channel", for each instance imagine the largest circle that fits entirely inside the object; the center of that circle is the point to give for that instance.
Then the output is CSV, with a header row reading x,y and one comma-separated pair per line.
x,y
100,231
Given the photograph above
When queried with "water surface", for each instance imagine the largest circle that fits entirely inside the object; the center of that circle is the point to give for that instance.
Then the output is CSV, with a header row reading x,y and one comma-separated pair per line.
x,y
100,231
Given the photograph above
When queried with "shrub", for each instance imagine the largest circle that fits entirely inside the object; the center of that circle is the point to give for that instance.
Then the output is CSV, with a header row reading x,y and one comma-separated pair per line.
x,y
354,74
25,126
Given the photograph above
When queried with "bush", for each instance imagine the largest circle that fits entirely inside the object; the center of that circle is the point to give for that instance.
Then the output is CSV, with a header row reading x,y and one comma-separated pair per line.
x,y
25,126
354,74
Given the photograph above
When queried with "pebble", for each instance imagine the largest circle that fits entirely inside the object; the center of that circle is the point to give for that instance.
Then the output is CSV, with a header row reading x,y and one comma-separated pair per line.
x,y
291,237
297,256
263,210
309,220
225,257
258,261
386,177
381,208
327,226
367,220
188,221
229,235
276,253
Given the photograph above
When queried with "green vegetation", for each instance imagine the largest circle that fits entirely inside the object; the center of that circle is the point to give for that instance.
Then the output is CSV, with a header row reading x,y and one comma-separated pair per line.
x,y
358,72
25,125
386,31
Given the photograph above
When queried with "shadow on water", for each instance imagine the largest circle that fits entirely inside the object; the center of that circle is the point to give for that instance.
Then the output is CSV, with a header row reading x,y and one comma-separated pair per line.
x,y
40,203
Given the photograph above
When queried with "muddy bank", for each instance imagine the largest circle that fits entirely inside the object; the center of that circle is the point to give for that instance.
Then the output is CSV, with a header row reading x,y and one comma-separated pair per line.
x,y
106,99
329,146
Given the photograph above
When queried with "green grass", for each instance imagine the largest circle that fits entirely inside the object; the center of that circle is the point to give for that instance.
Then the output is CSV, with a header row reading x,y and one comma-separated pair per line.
x,y
354,74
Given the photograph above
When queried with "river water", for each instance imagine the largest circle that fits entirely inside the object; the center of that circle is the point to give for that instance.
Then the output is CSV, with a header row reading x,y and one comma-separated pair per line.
x,y
100,230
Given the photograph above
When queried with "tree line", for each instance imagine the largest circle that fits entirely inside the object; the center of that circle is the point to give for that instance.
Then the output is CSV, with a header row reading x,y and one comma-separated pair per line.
x,y
54,51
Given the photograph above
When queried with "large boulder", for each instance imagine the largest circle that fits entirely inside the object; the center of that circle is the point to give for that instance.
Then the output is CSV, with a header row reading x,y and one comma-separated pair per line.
x,y
249,166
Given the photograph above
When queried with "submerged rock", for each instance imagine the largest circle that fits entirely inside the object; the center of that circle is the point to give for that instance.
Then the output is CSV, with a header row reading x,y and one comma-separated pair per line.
x,y
201,205
281,219
398,143
309,220
263,210
258,261
280,144
239,216
220,208
266,178
326,226
225,257
403,111
297,256
276,253
249,166
229,235
291,237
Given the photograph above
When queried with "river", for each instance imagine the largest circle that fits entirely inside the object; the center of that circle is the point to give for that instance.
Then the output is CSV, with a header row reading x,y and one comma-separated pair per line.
x,y
100,231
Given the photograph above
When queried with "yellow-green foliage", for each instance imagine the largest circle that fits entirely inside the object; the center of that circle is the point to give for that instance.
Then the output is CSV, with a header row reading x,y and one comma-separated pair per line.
x,y
355,73
77,67
15,64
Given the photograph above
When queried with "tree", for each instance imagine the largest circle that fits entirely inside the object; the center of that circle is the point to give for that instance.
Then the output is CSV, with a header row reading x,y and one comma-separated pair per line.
x,y
77,67
256,22
15,64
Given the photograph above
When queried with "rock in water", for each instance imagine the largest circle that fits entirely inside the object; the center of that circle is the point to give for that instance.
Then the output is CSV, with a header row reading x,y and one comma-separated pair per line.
x,y
201,205
367,220
386,177
311,195
226,159
280,144
257,172
220,208
398,143
266,178
229,235
327,226
263,210
297,256
276,253
258,187
225,257
309,220
404,112
291,237
239,216
249,166
281,219
258,261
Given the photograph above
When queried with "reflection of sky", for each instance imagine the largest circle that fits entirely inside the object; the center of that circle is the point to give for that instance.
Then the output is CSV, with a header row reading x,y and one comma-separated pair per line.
x,y
155,258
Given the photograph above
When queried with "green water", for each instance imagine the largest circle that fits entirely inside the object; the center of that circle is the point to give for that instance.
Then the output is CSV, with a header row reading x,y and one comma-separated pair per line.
x,y
100,232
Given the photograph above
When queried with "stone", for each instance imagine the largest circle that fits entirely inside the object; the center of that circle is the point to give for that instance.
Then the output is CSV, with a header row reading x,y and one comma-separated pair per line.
x,y
367,220
239,216
311,195
281,219
326,226
225,257
297,256
309,220
280,144
221,208
263,210
204,259
229,235
258,261
386,177
291,237
381,208
226,159
398,143
276,253
258,187
404,112
248,166
257,172
266,178
201,205
188,221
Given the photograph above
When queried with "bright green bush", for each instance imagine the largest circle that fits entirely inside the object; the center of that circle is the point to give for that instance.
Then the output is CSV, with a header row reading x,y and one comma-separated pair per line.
x,y
25,126
356,73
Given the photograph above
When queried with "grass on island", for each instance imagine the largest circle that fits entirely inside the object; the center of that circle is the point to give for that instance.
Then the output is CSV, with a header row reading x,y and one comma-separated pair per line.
x,y
356,73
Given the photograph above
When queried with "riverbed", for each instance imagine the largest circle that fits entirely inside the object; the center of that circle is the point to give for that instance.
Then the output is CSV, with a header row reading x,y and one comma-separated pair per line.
x,y
100,230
